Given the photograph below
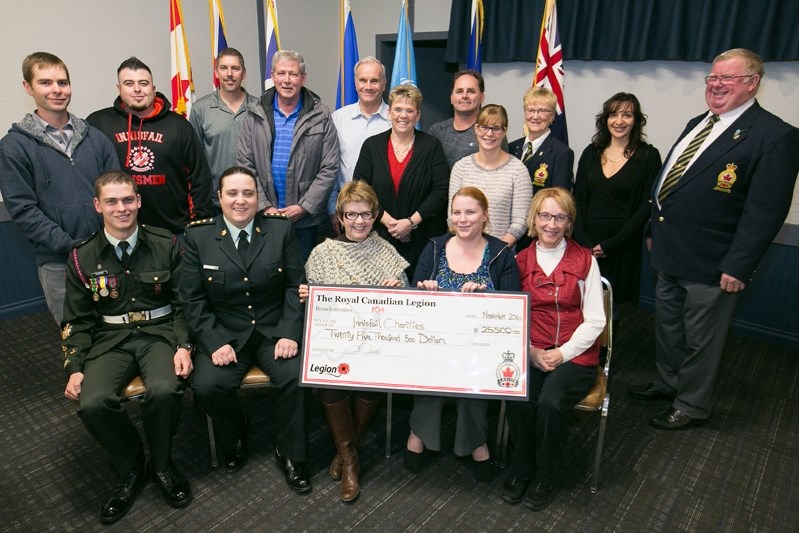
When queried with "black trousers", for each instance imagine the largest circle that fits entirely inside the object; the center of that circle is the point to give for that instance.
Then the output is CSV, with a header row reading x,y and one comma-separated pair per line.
x,y
538,426
100,407
216,390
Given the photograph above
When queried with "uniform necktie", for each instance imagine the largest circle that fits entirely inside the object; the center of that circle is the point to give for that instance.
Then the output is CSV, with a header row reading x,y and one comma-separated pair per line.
x,y
244,245
123,247
528,152
680,165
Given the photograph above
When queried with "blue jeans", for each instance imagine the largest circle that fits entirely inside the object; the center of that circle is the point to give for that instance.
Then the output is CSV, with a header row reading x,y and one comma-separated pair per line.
x,y
306,239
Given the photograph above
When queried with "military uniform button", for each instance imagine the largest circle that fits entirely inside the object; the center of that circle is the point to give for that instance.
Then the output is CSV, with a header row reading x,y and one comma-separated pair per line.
x,y
661,219
210,279
133,299
246,280
253,322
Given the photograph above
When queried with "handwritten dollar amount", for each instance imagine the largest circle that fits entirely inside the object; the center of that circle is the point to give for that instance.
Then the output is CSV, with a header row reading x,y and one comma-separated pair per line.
x,y
496,330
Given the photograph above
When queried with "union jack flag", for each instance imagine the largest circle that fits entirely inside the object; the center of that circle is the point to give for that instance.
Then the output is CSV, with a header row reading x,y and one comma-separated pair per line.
x,y
549,66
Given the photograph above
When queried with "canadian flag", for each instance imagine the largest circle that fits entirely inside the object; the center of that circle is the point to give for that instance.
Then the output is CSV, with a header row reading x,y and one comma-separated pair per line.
x,y
182,83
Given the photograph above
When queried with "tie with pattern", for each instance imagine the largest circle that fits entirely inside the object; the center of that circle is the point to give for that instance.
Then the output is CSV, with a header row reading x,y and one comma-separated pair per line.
x,y
528,152
678,169
123,247
244,245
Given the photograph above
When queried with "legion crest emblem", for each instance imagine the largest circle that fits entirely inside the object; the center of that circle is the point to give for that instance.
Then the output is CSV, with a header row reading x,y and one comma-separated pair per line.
x,y
508,371
726,179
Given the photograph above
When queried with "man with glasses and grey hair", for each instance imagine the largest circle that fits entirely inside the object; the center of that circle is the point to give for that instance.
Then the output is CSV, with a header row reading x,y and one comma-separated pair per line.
x,y
289,142
721,197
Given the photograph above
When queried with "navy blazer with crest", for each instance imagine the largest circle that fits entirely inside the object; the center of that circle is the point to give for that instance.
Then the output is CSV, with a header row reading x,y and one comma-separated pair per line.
x,y
558,158
725,210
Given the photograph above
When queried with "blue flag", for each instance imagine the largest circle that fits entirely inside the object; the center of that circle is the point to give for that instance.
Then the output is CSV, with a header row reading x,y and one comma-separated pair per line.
x,y
404,70
348,57
475,59
272,39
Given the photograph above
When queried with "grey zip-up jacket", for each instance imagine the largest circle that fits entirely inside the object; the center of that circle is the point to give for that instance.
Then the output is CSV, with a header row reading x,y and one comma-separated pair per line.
x,y
48,193
314,159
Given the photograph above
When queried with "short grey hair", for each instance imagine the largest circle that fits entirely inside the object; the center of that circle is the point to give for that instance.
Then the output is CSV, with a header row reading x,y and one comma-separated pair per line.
x,y
288,55
371,59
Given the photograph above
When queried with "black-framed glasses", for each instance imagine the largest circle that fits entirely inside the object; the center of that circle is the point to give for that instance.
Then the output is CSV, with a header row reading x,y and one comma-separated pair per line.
x,y
496,130
353,215
560,218
724,79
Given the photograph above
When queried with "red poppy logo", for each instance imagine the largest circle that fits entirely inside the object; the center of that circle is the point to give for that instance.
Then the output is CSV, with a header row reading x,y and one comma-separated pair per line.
x,y
343,369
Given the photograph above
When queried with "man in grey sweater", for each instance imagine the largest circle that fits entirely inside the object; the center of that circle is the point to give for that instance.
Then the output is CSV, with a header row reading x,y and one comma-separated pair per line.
x,y
49,161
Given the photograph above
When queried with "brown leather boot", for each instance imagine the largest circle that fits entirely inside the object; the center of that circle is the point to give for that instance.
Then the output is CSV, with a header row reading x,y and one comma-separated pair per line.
x,y
339,420
362,414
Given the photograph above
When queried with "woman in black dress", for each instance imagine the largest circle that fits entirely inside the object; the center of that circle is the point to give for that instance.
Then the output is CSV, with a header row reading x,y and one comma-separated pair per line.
x,y
612,189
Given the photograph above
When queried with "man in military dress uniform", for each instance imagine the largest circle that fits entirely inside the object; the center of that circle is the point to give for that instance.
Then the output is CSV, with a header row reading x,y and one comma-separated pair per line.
x,y
122,318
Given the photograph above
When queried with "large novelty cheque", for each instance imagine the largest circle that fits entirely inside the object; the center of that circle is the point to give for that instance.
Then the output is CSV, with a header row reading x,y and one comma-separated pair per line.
x,y
408,340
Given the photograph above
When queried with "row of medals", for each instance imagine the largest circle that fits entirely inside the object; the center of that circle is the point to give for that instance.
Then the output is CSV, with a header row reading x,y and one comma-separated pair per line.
x,y
104,286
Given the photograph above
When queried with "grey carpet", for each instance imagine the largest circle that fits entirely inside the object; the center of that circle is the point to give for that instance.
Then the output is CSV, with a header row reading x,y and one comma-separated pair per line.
x,y
736,473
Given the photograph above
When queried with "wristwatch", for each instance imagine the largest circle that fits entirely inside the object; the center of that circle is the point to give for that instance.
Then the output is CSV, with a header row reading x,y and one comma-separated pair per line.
x,y
186,346
413,226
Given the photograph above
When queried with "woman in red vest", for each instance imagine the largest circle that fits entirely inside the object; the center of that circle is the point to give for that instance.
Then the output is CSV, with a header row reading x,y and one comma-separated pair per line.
x,y
566,319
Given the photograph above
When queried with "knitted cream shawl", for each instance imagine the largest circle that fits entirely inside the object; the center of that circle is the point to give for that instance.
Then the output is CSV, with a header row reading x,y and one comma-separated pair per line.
x,y
368,262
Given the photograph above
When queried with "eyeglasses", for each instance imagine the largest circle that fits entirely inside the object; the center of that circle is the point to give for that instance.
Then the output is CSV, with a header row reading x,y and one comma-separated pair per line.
x,y
724,79
352,215
403,111
495,130
540,112
560,218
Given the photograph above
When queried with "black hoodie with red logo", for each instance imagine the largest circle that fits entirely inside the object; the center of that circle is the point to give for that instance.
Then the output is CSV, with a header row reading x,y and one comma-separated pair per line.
x,y
165,158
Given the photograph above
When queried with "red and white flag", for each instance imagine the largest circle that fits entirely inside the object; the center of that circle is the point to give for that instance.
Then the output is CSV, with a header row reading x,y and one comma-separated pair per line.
x,y
182,83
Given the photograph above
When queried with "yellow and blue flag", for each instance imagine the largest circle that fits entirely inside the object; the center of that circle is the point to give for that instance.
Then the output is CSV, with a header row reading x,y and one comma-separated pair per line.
x,y
348,57
272,39
475,58
218,39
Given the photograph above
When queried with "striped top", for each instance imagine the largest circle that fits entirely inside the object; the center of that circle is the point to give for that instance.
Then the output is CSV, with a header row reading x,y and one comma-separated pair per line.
x,y
281,149
508,189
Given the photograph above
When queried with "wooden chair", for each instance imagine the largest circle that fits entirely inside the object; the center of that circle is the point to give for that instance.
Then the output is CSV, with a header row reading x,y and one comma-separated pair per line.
x,y
597,399
255,378
134,390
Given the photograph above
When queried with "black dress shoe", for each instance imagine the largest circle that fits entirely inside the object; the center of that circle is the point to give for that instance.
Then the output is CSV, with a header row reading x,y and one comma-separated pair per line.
x,y
125,493
538,496
673,419
483,470
296,474
237,458
174,487
413,461
648,392
513,488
